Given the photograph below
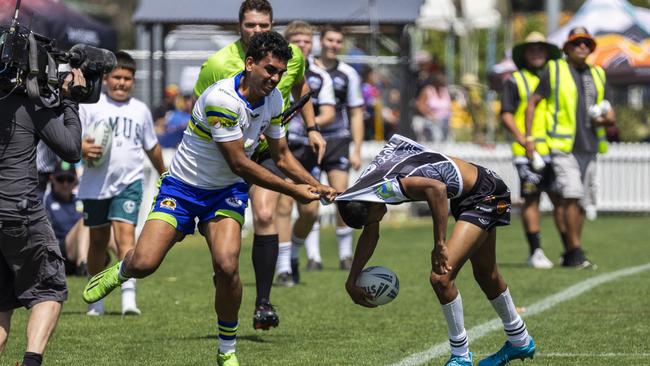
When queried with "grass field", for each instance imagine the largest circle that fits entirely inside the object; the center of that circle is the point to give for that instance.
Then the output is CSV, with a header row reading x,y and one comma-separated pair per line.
x,y
319,325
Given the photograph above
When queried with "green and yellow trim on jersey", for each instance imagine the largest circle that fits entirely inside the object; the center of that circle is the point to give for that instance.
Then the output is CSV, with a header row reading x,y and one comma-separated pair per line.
x,y
199,129
224,116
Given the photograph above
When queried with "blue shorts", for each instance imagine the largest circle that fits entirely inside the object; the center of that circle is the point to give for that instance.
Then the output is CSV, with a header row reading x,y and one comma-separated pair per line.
x,y
179,203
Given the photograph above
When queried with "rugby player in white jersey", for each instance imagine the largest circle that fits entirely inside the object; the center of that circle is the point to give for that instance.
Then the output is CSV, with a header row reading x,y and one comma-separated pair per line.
x,y
209,179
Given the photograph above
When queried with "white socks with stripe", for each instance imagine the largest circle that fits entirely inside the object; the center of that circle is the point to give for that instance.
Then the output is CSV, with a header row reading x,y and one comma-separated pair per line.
x,y
512,323
458,340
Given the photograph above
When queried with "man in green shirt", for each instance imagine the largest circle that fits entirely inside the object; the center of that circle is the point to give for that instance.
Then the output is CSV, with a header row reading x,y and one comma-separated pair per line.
x,y
256,16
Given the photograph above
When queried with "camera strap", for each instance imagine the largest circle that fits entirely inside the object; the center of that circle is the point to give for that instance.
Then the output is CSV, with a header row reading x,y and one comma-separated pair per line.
x,y
33,90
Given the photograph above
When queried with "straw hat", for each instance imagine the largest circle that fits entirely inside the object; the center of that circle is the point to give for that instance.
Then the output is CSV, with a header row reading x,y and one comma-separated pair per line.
x,y
534,38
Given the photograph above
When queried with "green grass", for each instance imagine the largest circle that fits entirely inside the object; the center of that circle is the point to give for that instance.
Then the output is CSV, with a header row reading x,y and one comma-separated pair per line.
x,y
321,326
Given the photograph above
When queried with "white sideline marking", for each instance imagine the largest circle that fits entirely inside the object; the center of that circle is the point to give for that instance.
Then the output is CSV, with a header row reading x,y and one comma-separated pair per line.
x,y
593,355
482,330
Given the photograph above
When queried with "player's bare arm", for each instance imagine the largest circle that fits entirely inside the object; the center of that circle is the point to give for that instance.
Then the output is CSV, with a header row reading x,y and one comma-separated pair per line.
x,y
240,164
365,248
156,158
356,129
316,141
285,160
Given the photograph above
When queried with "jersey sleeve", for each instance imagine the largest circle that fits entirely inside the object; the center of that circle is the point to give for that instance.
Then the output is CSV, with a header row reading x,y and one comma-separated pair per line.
x,y
544,87
275,130
510,96
84,117
355,98
326,94
223,116
149,138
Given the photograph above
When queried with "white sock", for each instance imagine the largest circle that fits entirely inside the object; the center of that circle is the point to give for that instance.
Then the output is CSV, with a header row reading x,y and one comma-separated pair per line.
x,y
97,307
227,336
312,243
512,323
120,273
128,295
283,265
458,340
296,244
344,238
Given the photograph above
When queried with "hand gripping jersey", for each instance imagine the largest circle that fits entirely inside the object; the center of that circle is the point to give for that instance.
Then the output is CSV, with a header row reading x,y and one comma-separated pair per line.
x,y
221,114
401,158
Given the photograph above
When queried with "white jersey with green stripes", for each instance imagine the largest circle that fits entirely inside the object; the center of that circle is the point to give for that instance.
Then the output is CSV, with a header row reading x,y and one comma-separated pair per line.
x,y
222,114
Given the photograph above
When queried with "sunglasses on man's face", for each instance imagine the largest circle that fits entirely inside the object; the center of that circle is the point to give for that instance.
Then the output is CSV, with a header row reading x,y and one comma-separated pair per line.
x,y
63,178
580,42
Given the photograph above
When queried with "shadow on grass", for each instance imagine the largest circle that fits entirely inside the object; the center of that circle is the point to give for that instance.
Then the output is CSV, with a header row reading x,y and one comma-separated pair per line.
x,y
250,338
83,312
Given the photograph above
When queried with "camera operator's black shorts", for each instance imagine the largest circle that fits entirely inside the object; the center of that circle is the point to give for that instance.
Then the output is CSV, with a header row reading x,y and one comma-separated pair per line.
x,y
337,155
487,204
32,269
302,153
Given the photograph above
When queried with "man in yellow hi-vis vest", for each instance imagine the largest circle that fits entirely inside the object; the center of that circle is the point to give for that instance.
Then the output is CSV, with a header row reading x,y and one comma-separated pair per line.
x,y
536,175
577,112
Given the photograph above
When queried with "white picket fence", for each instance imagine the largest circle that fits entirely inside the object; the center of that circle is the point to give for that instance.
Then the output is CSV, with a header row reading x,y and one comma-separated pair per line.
x,y
623,179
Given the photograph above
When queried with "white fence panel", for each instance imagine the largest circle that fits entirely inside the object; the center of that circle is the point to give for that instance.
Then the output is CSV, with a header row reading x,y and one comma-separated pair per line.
x,y
623,179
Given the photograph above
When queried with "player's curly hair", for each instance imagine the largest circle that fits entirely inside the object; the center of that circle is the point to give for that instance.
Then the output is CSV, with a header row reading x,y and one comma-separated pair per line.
x,y
263,43
354,213
262,6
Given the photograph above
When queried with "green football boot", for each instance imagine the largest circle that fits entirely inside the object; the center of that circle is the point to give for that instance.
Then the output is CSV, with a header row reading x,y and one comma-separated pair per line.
x,y
102,284
227,359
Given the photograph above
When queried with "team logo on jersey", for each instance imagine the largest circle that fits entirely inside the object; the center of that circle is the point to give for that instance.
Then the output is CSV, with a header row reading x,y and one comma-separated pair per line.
x,y
79,206
168,203
234,202
128,206
314,82
483,221
502,206
385,191
339,82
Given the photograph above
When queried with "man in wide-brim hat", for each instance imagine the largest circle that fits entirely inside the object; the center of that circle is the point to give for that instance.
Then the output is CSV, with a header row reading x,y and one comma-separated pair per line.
x,y
574,95
530,57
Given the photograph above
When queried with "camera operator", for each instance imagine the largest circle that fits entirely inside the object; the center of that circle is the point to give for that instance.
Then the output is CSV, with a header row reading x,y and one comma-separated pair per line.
x,y
31,266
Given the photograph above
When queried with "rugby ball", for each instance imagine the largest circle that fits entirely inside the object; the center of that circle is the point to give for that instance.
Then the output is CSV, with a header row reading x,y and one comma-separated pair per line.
x,y
379,282
102,132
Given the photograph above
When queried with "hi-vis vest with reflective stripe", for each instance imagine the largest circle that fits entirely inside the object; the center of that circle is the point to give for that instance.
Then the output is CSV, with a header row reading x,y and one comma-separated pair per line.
x,y
526,84
563,102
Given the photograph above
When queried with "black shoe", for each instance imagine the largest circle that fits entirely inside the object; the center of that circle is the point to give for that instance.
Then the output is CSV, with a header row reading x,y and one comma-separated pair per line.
x,y
312,265
345,264
284,279
82,269
575,259
265,316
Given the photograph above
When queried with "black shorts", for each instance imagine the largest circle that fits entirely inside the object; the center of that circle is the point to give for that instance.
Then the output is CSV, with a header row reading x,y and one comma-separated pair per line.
x,y
337,155
32,268
533,183
487,204
302,153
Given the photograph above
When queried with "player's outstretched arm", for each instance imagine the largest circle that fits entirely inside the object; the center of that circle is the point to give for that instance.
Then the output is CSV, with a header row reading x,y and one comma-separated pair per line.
x,y
240,164
285,160
435,193
316,141
364,250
